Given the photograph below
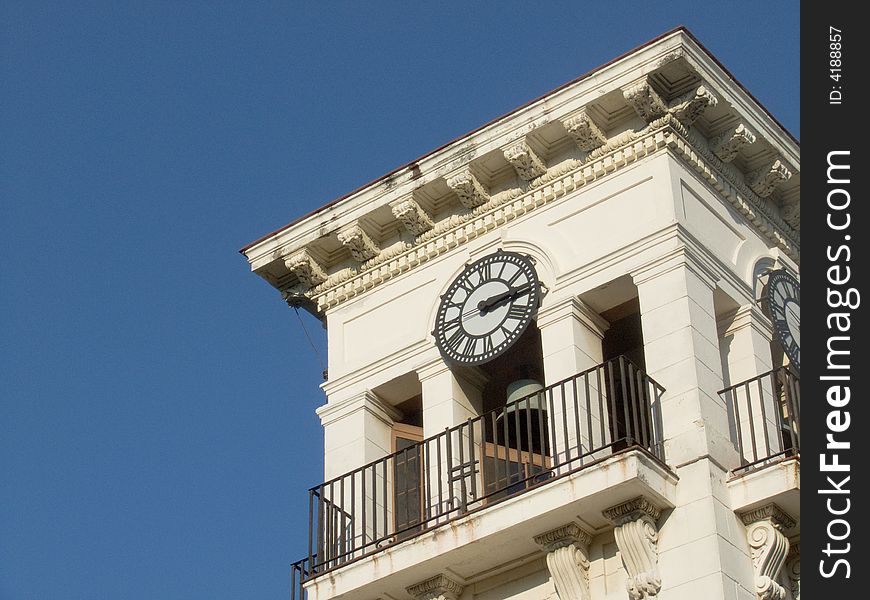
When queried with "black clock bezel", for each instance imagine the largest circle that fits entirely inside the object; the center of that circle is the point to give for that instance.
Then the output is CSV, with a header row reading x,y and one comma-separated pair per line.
x,y
780,325
527,265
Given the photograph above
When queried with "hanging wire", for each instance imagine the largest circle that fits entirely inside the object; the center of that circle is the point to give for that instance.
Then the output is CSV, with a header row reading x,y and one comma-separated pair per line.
x,y
310,341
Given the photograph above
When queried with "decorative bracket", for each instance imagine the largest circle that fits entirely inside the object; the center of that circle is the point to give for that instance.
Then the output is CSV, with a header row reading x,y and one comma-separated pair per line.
x,y
568,560
307,270
470,191
412,216
361,246
690,106
525,161
791,212
726,146
637,536
440,587
645,101
768,547
793,569
764,180
585,132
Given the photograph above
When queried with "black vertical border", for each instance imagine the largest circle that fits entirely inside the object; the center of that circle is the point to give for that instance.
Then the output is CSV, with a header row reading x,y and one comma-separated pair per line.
x,y
827,127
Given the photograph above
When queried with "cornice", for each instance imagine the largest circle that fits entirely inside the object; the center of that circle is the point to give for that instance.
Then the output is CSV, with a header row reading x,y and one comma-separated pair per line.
x,y
559,181
298,261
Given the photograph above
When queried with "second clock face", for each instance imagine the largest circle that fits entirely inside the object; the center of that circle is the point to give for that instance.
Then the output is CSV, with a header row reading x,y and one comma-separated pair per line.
x,y
784,297
487,308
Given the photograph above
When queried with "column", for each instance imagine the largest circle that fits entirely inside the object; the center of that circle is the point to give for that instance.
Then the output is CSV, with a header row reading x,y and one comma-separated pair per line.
x,y
755,408
681,348
354,508
567,550
577,412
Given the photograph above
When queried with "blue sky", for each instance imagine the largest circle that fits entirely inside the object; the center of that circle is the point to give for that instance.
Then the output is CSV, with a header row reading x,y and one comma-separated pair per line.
x,y
157,426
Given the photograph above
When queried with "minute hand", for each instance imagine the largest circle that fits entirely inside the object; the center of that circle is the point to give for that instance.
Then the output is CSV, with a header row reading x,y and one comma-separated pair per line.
x,y
483,305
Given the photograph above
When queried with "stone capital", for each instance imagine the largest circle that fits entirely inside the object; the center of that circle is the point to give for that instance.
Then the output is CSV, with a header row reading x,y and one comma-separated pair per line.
x,y
764,180
690,106
470,191
645,101
586,134
525,161
367,401
632,510
681,258
411,215
572,307
307,270
564,535
726,145
747,316
355,239
440,587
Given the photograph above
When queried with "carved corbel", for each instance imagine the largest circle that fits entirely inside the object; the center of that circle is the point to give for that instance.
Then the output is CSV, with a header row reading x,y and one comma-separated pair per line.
x,y
361,246
440,587
568,560
525,161
645,101
793,570
585,132
726,145
307,270
791,212
637,536
768,547
764,180
470,191
690,106
412,216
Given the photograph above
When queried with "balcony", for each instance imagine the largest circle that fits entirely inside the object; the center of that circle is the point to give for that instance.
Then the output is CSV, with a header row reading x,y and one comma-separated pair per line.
x,y
500,463
765,423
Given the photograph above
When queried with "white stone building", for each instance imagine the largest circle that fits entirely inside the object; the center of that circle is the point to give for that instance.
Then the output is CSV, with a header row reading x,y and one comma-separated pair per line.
x,y
650,198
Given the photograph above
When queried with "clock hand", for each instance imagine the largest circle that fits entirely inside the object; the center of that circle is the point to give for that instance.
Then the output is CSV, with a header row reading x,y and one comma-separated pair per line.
x,y
484,305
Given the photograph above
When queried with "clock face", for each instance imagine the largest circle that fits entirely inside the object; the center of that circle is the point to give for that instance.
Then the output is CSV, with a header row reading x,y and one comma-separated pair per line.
x,y
784,298
487,308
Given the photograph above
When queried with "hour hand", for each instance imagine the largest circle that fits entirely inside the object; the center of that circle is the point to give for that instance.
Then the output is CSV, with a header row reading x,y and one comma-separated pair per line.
x,y
484,305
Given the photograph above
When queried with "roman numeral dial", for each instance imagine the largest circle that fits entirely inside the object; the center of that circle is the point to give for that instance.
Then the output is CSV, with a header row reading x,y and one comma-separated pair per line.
x,y
784,301
487,308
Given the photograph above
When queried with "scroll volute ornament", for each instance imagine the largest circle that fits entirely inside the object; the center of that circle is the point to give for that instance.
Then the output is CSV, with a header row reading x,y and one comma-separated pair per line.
x,y
768,548
637,537
568,560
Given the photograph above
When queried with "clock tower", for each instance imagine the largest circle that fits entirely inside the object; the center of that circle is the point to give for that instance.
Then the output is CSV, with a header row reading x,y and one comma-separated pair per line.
x,y
564,351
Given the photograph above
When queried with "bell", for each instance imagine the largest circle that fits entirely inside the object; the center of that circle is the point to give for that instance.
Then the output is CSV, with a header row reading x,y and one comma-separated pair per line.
x,y
519,389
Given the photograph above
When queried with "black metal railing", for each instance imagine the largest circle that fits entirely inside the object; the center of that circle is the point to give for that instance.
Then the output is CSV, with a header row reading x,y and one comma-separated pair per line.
x,y
480,462
765,416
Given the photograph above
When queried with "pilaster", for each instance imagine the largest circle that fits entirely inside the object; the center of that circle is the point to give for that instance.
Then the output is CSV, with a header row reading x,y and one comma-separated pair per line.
x,y
356,431
681,349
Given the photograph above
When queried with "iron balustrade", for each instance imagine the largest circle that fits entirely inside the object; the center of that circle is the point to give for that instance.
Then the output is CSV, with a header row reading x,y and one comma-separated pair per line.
x,y
478,463
765,416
